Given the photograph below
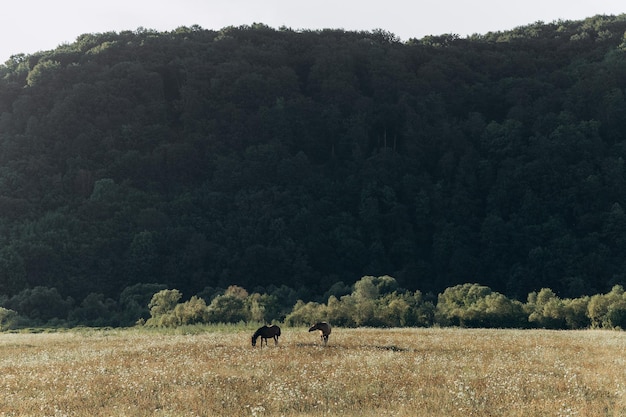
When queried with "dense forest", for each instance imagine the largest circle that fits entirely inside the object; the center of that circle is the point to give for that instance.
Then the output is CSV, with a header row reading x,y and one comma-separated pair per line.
x,y
271,158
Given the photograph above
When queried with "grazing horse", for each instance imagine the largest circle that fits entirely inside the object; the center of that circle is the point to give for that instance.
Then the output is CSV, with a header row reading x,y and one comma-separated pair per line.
x,y
324,329
266,332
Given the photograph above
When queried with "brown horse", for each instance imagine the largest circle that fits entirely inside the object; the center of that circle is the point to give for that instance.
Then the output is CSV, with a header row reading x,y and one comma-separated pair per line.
x,y
266,332
324,329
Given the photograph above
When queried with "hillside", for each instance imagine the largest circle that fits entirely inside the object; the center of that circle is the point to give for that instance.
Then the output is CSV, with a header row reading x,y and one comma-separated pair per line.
x,y
267,157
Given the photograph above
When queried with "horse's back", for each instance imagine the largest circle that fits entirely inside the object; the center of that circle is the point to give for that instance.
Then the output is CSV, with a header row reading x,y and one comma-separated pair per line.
x,y
269,331
323,327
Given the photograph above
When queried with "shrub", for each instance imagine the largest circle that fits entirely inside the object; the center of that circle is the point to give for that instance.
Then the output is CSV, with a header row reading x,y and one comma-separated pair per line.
x,y
40,304
264,308
6,318
133,302
94,310
228,308
576,313
608,310
546,310
474,305
161,306
616,315
457,306
339,312
306,313
191,312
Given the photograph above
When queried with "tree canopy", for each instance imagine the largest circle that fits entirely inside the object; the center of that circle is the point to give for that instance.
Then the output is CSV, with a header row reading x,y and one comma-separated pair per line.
x,y
254,156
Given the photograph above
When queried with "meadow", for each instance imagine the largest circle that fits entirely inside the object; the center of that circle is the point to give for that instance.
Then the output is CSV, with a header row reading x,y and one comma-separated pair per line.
x,y
211,371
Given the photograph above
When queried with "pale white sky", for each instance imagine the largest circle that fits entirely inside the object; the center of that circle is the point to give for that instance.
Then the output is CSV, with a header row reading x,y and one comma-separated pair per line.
x,y
34,25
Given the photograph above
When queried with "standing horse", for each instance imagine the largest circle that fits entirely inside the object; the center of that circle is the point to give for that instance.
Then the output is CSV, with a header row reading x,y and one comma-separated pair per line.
x,y
324,329
266,332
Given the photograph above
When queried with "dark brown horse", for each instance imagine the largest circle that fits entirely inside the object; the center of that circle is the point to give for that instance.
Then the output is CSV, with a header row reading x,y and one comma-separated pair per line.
x,y
266,332
324,329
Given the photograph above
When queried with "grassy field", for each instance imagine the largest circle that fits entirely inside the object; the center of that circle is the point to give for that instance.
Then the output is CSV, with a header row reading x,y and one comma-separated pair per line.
x,y
362,372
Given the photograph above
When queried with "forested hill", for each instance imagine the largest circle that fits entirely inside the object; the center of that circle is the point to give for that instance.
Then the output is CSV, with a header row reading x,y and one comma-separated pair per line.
x,y
257,156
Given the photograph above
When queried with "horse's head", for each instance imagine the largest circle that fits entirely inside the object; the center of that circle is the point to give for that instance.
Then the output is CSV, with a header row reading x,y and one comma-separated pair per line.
x,y
253,341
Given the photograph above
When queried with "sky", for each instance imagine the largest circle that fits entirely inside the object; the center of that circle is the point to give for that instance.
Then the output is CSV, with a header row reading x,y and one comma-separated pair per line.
x,y
39,25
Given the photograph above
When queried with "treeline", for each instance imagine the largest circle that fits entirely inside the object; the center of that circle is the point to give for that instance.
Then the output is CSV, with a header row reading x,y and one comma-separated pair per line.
x,y
371,301
262,157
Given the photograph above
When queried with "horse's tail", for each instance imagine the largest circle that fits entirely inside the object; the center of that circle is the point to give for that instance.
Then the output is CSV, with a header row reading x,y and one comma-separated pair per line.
x,y
277,331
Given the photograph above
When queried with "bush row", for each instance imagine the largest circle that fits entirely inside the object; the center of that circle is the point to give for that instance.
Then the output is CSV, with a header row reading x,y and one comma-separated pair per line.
x,y
371,301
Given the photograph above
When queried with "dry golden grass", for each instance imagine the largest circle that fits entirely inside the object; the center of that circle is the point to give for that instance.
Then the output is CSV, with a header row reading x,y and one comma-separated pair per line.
x,y
362,372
